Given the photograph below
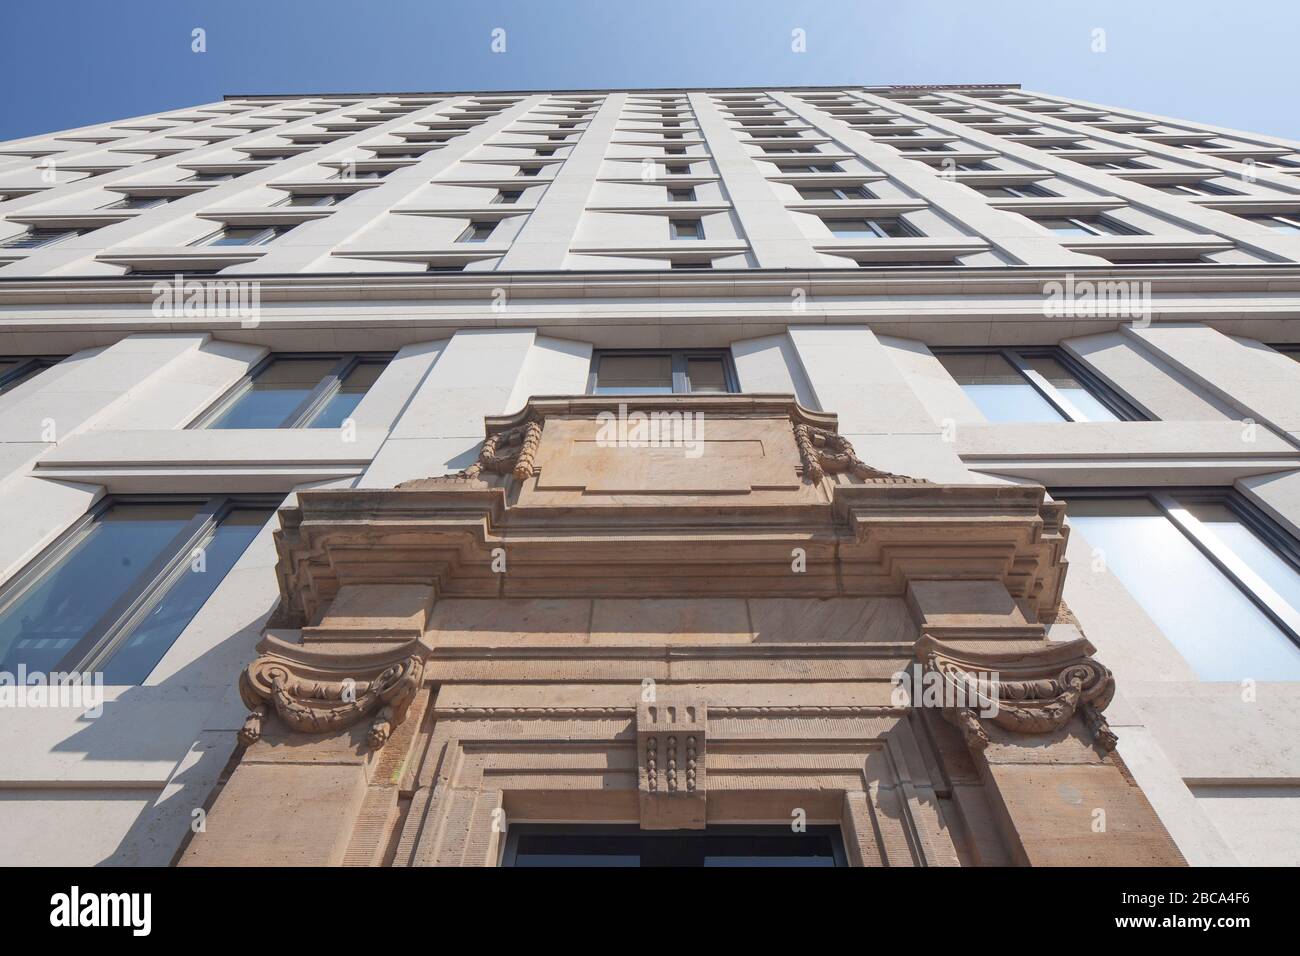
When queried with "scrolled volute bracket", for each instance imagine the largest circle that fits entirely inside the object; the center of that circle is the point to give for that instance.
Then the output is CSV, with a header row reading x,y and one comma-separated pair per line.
x,y
316,696
1027,693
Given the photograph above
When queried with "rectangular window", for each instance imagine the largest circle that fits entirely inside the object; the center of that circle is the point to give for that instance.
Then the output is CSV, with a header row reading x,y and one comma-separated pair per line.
x,y
1083,226
686,229
682,195
139,202
834,193
1282,222
477,232
297,391
36,238
715,846
14,370
1017,192
1033,385
1220,580
650,372
209,178
244,236
508,196
1202,188
116,591
313,199
868,228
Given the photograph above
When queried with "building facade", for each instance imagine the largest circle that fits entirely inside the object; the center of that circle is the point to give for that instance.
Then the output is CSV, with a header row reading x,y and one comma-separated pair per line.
x,y
504,478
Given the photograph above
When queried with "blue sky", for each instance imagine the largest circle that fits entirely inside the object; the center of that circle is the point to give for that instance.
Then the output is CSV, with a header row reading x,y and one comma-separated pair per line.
x,y
74,62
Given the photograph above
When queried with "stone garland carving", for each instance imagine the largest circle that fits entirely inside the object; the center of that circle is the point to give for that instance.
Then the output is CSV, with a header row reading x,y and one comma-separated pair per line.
x,y
509,452
1027,696
825,452
315,701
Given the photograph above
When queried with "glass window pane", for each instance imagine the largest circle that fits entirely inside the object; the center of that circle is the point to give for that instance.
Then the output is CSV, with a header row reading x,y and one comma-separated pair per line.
x,y
1078,396
47,619
276,392
1063,227
343,403
634,375
188,591
1216,628
998,389
1222,523
706,375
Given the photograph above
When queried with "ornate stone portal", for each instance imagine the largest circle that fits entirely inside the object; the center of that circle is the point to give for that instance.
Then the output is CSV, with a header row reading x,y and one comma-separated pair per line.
x,y
677,612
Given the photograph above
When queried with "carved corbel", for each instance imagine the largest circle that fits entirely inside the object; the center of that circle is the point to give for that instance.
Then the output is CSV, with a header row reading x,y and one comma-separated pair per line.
x,y
315,694
824,452
672,750
1036,692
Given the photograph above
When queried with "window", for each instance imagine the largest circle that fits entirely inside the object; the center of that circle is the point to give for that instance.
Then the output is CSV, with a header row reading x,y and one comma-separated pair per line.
x,y
508,196
297,391
209,177
686,194
313,199
686,229
1201,188
1286,222
243,236
529,170
834,193
648,372
139,202
689,264
813,168
477,232
1083,226
14,370
868,228
115,592
1033,385
347,172
1215,575
615,846
35,238
1122,164
1019,192
678,169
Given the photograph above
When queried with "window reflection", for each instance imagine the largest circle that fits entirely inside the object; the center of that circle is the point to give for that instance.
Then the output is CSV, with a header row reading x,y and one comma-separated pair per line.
x,y
1220,631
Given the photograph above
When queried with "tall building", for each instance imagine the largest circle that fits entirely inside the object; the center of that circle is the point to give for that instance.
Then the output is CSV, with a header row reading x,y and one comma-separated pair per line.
x,y
477,478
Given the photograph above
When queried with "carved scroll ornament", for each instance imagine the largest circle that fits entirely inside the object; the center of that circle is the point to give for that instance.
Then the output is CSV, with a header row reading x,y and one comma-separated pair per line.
x,y
824,452
1034,693
313,699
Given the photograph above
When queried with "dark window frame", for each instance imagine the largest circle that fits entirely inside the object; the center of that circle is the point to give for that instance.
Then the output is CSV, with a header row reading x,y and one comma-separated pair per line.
x,y
680,363
510,847
1094,384
117,624
310,406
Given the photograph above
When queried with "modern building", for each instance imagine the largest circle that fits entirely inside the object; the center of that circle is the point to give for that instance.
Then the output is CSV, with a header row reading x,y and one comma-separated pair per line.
x,y
477,478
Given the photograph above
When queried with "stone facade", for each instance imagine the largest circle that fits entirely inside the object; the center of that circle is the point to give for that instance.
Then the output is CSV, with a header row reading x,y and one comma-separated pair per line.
x,y
597,631
403,700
